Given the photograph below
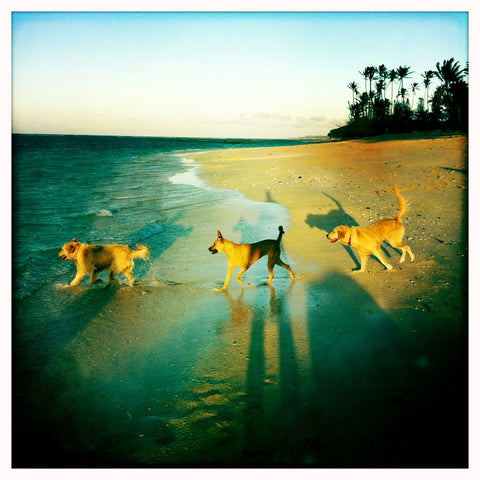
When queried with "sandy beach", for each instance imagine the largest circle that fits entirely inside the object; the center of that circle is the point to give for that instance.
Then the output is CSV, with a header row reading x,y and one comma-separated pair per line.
x,y
326,185
332,369
350,183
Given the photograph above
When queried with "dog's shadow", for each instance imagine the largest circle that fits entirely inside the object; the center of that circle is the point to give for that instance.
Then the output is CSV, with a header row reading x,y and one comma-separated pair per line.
x,y
332,219
327,222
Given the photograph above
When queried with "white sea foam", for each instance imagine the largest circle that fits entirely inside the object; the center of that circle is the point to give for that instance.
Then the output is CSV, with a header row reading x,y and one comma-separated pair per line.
x,y
189,177
105,213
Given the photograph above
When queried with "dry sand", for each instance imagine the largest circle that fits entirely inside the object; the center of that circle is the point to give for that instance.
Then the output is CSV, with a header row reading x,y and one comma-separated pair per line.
x,y
325,185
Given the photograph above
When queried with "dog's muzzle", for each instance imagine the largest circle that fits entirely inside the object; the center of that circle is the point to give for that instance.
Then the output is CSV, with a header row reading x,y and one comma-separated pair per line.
x,y
332,240
213,250
63,257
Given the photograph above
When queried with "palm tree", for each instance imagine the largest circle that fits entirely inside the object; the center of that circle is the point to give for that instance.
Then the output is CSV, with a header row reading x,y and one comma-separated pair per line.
x,y
392,76
365,74
449,72
353,86
427,80
452,94
383,75
414,89
402,72
372,71
380,87
369,74
364,103
402,93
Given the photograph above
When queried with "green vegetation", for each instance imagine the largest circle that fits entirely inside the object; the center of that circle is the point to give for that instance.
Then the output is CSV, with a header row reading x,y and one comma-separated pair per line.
x,y
387,105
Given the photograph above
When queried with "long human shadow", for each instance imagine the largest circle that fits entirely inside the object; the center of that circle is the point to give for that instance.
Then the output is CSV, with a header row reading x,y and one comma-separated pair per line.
x,y
354,396
269,428
374,404
253,442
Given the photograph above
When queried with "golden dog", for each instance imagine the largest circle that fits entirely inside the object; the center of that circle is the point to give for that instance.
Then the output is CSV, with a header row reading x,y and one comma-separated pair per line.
x,y
367,240
244,255
92,259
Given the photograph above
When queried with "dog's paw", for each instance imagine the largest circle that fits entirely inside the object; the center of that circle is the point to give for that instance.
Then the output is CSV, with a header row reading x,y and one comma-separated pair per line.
x,y
219,289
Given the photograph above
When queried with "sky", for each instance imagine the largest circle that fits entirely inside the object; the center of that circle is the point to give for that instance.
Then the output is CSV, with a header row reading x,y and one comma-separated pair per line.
x,y
212,74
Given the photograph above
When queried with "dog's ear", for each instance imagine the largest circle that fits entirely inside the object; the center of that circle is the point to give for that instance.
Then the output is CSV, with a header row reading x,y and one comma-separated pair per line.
x,y
342,231
219,234
76,240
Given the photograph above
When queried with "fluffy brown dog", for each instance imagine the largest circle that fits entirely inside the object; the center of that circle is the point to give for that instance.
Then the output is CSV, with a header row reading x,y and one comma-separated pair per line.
x,y
244,255
92,259
367,240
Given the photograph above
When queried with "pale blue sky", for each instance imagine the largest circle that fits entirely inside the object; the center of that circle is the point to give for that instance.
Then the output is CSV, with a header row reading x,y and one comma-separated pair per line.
x,y
212,74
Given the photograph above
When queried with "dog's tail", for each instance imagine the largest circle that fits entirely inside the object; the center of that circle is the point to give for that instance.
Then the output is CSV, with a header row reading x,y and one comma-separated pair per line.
x,y
281,232
142,251
402,205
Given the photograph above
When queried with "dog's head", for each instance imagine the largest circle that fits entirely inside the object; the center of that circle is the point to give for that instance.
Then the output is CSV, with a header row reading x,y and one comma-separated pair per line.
x,y
218,244
340,234
70,250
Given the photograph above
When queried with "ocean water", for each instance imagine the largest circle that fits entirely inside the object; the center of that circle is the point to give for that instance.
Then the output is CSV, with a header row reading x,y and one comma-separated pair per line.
x,y
101,189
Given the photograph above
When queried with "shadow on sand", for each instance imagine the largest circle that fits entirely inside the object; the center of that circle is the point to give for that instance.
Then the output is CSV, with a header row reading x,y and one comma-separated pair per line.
x,y
348,390
326,223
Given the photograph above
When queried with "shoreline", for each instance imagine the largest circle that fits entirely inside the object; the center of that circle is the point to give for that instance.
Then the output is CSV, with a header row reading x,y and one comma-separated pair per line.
x,y
324,185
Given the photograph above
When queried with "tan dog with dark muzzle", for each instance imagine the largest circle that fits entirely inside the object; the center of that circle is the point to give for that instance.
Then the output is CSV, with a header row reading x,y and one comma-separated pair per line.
x,y
244,255
367,240
92,259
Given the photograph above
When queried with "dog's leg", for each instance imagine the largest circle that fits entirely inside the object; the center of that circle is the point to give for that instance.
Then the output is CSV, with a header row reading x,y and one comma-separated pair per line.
x,y
382,259
398,243
130,277
406,249
271,264
363,263
287,267
94,276
227,279
242,271
111,274
78,278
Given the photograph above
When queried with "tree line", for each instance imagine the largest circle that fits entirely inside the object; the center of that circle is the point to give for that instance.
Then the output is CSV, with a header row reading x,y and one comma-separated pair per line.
x,y
388,105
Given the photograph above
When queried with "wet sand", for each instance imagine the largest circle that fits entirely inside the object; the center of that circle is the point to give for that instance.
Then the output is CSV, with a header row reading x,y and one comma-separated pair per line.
x,y
333,369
